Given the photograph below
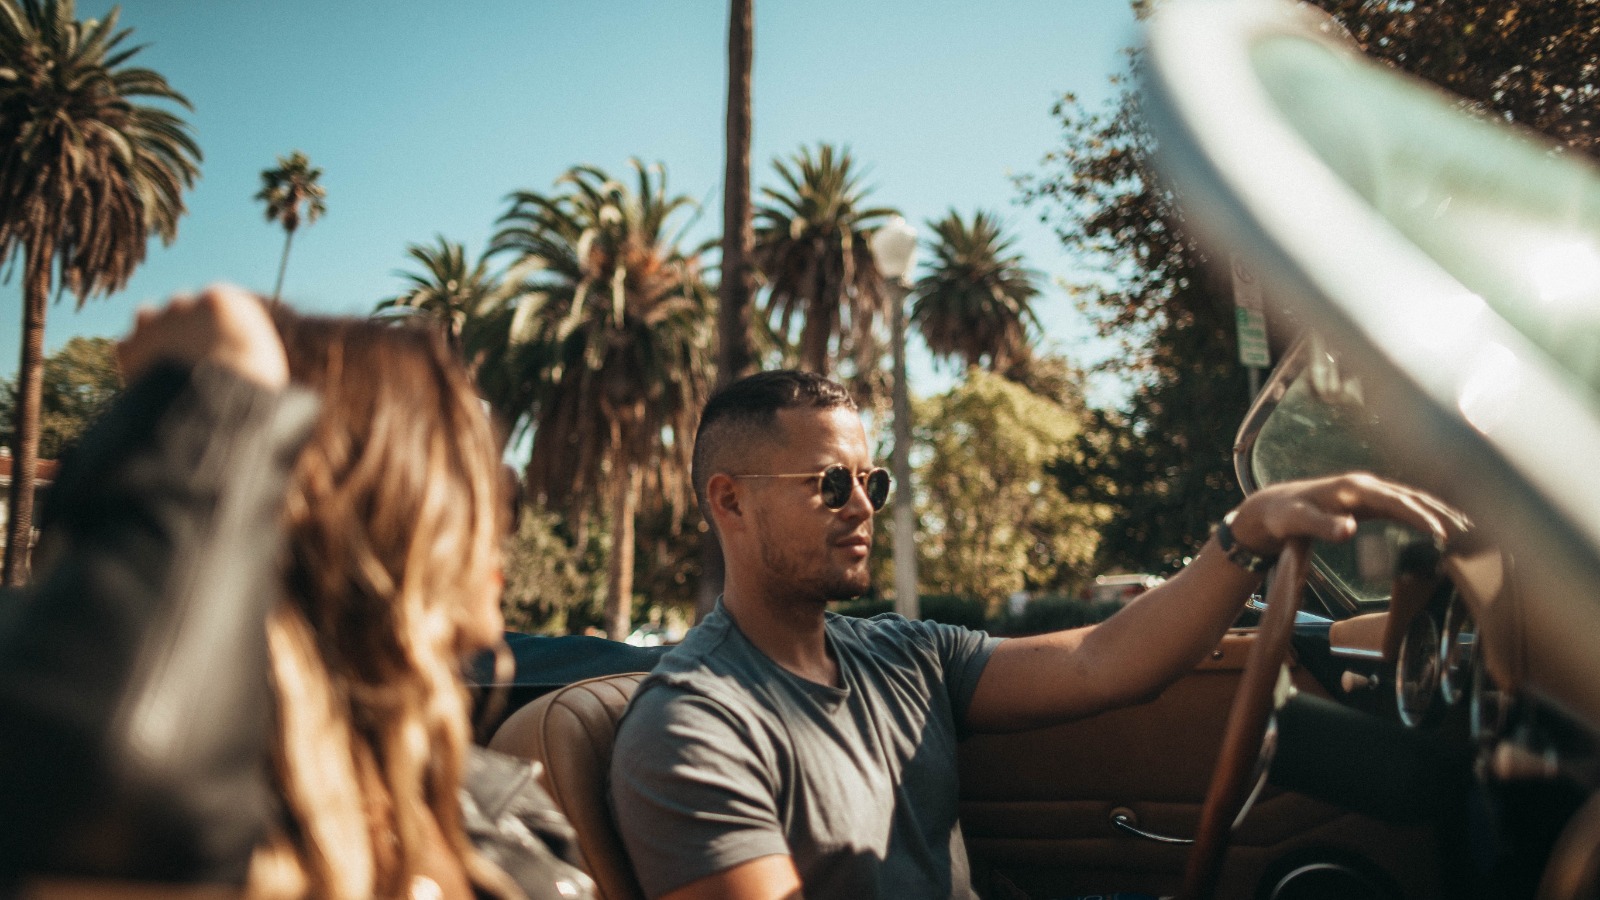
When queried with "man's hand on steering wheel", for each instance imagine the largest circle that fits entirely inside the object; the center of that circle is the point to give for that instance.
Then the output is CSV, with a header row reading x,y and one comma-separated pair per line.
x,y
1282,519
1327,509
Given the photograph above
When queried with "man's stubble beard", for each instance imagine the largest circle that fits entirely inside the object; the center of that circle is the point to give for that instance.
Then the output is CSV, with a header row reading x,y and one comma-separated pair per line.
x,y
819,582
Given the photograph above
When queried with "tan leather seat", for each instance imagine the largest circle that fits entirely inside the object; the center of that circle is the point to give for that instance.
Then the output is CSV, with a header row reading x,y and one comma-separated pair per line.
x,y
571,731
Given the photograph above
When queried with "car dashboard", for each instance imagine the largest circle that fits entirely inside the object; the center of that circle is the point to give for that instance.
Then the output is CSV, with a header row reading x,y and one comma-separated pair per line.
x,y
1446,711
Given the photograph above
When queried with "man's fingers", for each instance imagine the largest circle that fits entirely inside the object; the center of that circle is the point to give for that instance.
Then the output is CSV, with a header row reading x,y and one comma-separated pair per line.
x,y
1370,497
1454,520
1328,509
1305,519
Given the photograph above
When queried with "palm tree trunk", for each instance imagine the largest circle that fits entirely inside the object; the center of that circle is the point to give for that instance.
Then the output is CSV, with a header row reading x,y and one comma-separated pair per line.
x,y
619,571
283,264
25,437
735,354
818,328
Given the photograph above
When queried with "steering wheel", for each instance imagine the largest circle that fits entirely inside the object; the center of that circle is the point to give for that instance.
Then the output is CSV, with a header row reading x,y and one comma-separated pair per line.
x,y
1247,723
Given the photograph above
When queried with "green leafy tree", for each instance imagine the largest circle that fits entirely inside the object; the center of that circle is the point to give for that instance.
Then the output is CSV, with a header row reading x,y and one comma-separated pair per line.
x,y
80,380
295,184
667,562
811,245
1049,376
556,584
1533,62
975,303
552,587
607,355
1163,462
88,172
993,521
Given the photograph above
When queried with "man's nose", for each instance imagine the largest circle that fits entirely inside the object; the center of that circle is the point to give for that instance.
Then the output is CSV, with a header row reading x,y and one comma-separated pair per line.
x,y
859,506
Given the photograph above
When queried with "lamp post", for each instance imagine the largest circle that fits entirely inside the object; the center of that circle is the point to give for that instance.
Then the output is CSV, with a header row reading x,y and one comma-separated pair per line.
x,y
894,246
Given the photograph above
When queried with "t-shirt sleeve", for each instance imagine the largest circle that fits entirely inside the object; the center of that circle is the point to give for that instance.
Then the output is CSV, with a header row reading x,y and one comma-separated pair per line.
x,y
963,654
692,789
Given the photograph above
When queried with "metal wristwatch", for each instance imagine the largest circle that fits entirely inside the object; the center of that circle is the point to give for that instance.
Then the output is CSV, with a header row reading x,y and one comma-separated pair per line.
x,y
1238,554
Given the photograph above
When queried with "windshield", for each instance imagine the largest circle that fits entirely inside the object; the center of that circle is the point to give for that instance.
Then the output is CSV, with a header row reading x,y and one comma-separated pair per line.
x,y
1516,224
1323,426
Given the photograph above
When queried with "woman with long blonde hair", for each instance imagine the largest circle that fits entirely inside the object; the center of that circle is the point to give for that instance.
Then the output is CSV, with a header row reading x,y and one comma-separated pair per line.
x,y
394,520
241,662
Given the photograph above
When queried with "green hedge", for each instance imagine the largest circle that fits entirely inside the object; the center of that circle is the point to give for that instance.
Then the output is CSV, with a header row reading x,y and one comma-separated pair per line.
x,y
1055,614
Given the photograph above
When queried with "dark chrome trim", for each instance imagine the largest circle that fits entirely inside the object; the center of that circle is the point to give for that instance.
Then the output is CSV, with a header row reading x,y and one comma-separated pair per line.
x,y
1122,822
1244,442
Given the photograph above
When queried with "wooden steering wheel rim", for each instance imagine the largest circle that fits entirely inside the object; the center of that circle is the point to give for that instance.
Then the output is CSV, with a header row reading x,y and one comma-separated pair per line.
x,y
1247,723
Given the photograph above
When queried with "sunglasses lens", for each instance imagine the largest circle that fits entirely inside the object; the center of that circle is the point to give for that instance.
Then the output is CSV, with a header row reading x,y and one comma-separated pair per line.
x,y
878,487
837,484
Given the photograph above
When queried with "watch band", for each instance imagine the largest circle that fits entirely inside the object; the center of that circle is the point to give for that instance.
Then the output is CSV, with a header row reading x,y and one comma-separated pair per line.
x,y
1238,554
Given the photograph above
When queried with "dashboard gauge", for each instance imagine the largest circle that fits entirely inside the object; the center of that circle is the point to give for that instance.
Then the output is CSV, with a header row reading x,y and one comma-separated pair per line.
x,y
1488,705
1416,676
1458,648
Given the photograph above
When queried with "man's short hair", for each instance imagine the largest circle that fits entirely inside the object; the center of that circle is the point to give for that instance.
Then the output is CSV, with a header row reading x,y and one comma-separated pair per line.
x,y
746,412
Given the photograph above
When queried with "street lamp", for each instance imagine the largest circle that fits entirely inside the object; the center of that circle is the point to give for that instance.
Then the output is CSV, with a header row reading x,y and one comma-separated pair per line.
x,y
894,246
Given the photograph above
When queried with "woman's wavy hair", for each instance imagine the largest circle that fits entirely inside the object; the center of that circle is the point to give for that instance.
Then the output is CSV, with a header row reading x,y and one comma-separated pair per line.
x,y
394,520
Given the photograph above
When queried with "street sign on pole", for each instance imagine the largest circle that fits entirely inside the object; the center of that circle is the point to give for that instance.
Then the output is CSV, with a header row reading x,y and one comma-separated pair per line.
x,y
1250,318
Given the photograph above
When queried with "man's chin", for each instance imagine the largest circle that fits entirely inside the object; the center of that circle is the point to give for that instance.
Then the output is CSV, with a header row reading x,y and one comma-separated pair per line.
x,y
851,589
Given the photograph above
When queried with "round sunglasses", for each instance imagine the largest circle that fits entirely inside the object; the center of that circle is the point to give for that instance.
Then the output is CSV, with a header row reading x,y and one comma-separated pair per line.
x,y
836,483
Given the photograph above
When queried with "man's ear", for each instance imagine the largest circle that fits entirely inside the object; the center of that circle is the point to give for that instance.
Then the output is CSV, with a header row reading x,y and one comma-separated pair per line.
x,y
722,493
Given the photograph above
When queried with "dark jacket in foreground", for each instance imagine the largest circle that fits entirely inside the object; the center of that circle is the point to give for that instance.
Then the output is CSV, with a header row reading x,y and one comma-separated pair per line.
x,y
134,702
135,709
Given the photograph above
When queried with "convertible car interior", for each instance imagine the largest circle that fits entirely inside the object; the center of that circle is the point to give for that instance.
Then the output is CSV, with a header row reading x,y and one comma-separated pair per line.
x,y
1396,718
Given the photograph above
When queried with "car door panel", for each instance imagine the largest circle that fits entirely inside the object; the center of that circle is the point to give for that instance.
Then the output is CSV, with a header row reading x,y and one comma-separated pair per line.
x,y
1037,806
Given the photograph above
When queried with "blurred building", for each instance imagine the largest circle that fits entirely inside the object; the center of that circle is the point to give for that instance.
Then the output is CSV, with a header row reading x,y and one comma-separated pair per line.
x,y
42,479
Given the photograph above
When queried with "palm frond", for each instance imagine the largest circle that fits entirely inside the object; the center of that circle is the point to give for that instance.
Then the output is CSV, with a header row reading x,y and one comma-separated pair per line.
x,y
975,304
614,313
86,173
811,253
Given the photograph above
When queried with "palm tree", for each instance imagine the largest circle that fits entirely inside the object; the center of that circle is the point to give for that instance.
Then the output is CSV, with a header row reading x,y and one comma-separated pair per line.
x,y
86,176
812,247
974,304
736,286
292,185
447,288
609,347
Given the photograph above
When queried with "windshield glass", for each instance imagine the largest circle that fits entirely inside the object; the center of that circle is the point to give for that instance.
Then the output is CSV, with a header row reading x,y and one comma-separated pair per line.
x,y
1514,223
1322,426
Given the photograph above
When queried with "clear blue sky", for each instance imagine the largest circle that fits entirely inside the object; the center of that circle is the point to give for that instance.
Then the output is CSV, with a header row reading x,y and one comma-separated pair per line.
x,y
424,115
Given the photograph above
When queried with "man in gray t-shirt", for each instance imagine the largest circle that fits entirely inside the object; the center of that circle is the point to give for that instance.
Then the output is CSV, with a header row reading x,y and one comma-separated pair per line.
x,y
735,757
783,749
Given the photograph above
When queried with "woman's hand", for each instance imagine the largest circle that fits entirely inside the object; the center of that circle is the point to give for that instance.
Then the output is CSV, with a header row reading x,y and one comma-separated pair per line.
x,y
223,325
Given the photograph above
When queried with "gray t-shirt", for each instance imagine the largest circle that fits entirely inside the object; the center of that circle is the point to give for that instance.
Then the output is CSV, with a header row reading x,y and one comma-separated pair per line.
x,y
724,757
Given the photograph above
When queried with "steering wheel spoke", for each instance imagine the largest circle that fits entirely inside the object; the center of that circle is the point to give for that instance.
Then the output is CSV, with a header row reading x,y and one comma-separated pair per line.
x,y
1242,764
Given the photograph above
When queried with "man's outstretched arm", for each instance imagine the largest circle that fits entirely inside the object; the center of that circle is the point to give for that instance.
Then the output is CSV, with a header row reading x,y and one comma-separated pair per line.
x,y
1132,656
